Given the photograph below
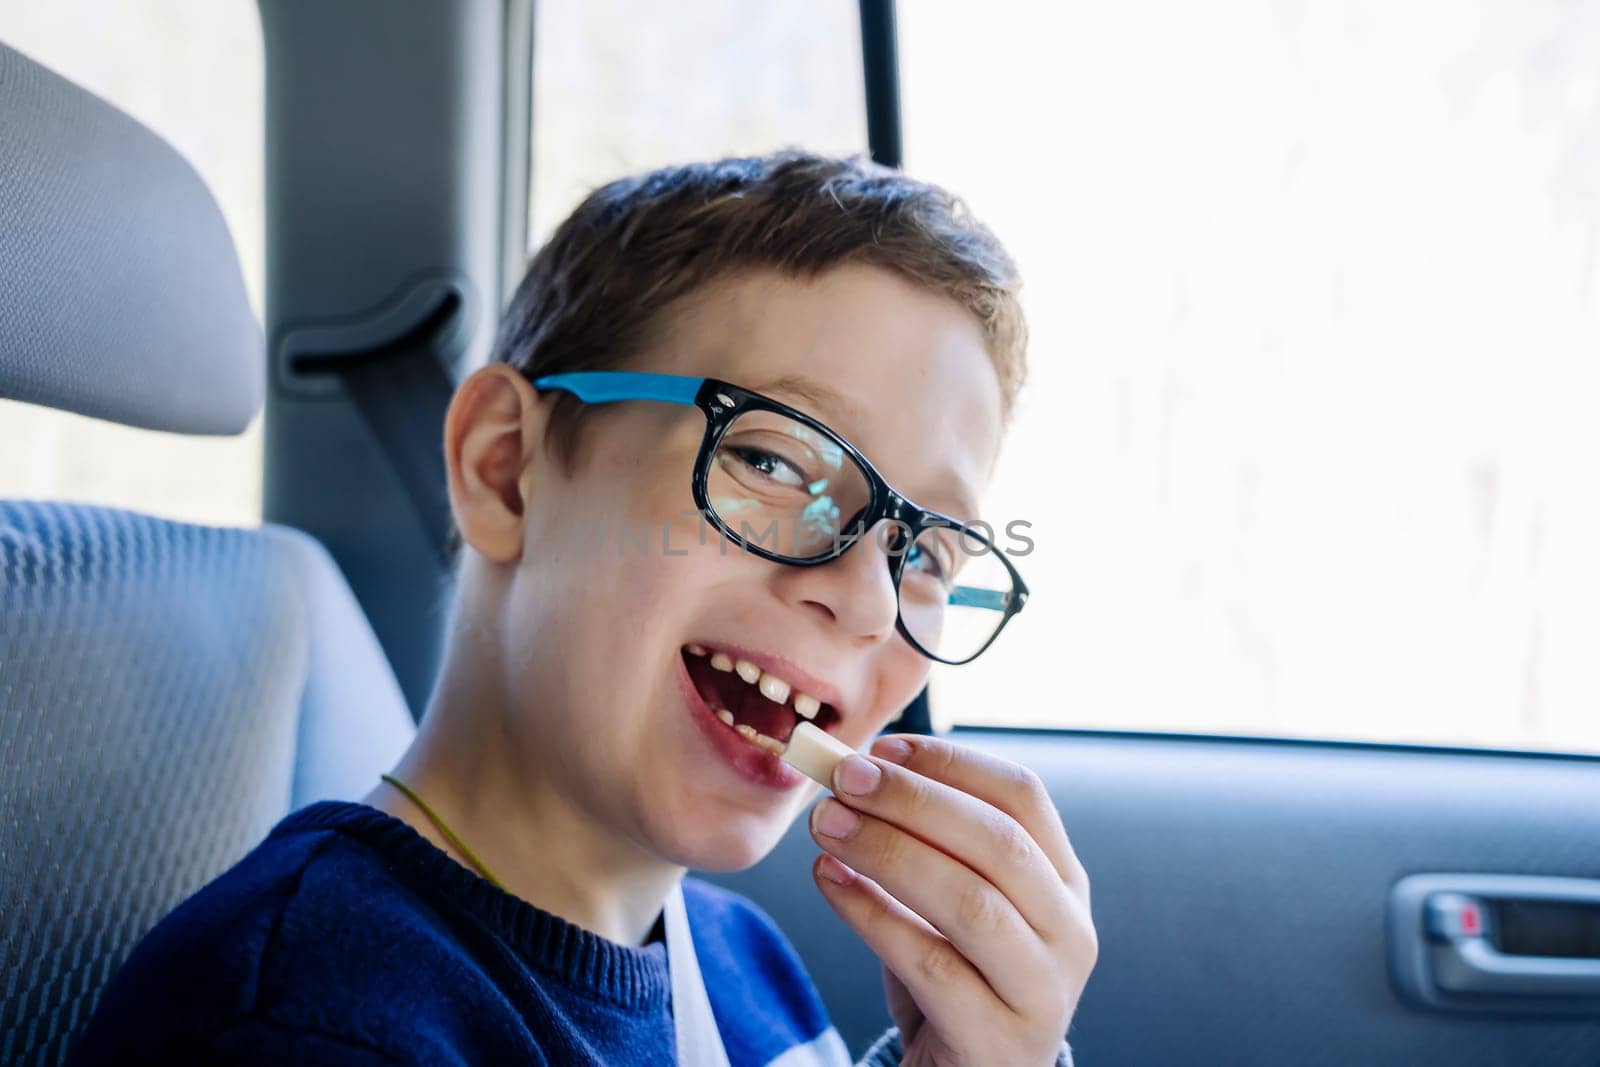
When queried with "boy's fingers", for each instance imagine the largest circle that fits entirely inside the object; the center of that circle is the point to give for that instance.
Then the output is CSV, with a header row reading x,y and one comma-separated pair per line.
x,y
972,915
967,828
943,983
1009,786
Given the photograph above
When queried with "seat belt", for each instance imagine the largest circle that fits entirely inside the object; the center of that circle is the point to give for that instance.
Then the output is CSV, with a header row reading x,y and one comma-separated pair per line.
x,y
401,392
698,1039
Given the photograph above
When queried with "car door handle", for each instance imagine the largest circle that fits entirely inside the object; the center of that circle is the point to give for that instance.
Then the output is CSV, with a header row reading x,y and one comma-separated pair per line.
x,y
1466,961
1496,943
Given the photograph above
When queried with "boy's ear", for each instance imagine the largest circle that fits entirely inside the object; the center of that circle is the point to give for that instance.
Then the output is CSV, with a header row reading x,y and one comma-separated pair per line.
x,y
492,432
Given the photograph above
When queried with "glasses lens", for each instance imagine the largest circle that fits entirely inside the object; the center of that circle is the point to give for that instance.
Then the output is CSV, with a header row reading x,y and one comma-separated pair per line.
x,y
784,487
954,592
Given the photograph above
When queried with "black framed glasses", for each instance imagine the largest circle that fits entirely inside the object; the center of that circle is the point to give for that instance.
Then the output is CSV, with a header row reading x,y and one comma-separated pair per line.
x,y
782,485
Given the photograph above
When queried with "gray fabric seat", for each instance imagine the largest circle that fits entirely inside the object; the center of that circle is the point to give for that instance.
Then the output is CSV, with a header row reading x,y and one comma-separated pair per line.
x,y
168,690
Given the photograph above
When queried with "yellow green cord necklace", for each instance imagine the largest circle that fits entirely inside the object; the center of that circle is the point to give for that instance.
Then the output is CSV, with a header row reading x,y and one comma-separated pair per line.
x,y
461,846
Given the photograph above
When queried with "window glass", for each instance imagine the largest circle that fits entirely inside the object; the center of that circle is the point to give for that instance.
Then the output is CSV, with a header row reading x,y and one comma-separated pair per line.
x,y
191,70
622,86
1310,441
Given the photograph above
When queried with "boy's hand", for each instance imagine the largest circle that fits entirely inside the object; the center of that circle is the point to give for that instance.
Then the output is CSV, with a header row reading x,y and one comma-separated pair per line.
x,y
958,873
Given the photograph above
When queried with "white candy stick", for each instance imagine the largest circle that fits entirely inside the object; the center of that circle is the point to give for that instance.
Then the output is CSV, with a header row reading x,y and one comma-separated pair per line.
x,y
815,753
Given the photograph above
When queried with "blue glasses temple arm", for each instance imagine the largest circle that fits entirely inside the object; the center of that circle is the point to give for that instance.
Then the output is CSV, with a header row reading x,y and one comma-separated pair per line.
x,y
968,596
608,386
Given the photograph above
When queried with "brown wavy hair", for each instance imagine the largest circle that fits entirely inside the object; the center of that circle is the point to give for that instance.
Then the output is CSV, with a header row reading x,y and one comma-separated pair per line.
x,y
635,247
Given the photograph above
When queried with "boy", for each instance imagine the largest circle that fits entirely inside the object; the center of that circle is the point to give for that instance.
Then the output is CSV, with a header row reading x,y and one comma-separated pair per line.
x,y
610,712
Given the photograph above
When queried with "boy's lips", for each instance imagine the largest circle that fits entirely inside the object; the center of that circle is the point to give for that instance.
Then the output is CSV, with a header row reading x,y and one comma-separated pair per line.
x,y
748,706
755,702
750,762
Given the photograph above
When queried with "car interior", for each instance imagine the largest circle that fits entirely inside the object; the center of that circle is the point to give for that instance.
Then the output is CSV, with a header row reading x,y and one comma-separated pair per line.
x,y
169,689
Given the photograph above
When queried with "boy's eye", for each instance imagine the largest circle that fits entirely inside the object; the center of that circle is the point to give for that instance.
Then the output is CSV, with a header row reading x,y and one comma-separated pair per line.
x,y
770,465
922,559
930,555
773,473
772,454
933,555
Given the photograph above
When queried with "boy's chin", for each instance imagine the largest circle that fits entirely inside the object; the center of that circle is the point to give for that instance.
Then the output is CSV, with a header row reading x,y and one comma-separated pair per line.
x,y
731,845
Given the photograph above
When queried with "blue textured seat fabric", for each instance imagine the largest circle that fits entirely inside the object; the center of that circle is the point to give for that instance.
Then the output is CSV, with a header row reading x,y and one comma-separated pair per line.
x,y
168,692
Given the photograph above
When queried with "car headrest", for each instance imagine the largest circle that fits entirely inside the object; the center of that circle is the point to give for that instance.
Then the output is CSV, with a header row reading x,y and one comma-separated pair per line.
x,y
121,295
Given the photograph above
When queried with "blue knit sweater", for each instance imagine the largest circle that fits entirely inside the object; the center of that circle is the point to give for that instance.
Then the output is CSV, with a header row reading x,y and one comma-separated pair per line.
x,y
347,938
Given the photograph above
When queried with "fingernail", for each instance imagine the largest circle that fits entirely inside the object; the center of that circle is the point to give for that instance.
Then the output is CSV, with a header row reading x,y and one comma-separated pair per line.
x,y
857,776
834,871
833,819
895,750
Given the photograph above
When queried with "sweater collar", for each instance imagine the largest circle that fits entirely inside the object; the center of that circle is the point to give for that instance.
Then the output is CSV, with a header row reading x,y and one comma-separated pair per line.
x,y
636,978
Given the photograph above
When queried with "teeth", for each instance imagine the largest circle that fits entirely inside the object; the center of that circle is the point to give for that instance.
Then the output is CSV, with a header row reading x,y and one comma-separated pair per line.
x,y
751,734
771,686
774,689
806,705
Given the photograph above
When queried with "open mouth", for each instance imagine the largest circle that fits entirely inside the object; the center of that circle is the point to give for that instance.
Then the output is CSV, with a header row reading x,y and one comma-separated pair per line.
x,y
759,706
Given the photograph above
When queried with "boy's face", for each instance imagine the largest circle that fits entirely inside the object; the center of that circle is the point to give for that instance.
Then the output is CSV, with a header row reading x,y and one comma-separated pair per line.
x,y
607,704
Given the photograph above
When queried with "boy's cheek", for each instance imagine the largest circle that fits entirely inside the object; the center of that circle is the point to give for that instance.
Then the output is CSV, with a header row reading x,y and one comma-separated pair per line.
x,y
685,532
902,674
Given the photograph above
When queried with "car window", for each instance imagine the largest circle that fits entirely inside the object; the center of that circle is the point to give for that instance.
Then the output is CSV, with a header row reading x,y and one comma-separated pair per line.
x,y
1309,445
622,86
191,72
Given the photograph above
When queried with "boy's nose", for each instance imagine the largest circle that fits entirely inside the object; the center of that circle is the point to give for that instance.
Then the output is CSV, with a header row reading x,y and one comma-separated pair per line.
x,y
853,592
